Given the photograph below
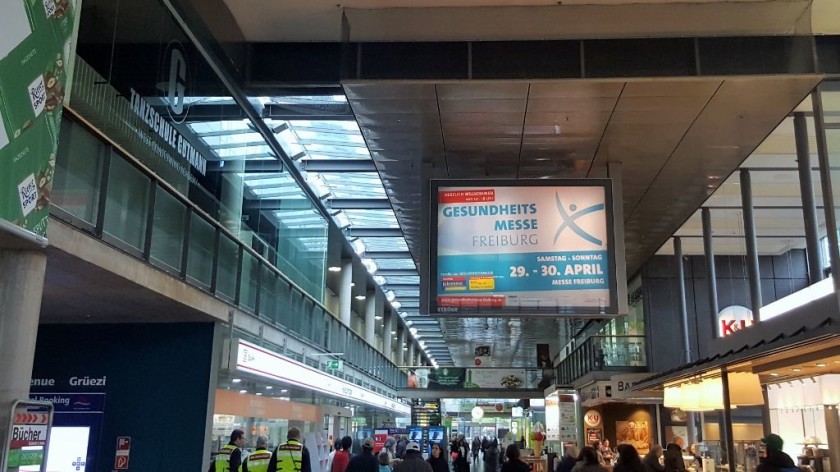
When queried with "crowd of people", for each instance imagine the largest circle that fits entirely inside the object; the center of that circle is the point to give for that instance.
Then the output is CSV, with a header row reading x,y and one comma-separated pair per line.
x,y
599,457
399,454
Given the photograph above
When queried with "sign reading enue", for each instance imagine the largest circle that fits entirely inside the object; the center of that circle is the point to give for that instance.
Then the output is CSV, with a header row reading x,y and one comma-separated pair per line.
x,y
535,247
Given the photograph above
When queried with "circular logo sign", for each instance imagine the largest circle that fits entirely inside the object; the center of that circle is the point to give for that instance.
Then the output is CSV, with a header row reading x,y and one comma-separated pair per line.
x,y
592,418
733,318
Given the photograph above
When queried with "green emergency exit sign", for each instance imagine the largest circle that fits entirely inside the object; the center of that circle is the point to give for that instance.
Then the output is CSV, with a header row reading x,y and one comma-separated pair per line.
x,y
335,365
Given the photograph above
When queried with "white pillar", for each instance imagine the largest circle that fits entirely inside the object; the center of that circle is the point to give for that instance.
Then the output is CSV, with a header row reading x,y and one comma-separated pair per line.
x,y
370,319
20,308
400,341
387,337
345,293
410,358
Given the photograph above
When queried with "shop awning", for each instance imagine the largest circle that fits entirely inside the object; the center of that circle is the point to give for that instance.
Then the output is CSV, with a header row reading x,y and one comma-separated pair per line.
x,y
809,328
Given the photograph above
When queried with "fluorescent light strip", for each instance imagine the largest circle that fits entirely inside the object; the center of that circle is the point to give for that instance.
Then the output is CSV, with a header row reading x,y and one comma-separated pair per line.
x,y
264,363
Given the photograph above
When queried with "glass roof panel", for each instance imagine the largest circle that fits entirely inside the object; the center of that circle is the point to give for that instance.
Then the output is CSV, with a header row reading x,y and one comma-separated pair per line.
x,y
204,127
353,184
385,244
372,218
395,263
402,279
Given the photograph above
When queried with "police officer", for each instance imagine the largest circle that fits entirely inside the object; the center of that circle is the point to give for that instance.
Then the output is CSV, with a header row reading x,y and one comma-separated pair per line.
x,y
291,456
230,457
258,460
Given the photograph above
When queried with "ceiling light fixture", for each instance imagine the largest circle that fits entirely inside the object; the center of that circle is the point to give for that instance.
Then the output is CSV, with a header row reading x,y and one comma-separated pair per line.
x,y
334,269
243,391
821,364
268,387
796,369
284,390
360,297
774,374
236,381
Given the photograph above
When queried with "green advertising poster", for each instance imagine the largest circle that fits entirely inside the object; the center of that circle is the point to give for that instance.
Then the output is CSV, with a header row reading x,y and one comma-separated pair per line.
x,y
34,48
23,457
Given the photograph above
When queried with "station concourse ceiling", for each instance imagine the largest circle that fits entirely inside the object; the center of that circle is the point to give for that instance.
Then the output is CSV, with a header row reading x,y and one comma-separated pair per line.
x,y
677,140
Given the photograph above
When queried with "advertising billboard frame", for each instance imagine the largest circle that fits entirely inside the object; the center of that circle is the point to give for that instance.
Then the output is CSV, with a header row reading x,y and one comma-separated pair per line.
x,y
608,310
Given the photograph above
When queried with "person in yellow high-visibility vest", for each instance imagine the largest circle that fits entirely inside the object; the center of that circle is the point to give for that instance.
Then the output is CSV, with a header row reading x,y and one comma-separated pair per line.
x,y
258,460
291,456
230,457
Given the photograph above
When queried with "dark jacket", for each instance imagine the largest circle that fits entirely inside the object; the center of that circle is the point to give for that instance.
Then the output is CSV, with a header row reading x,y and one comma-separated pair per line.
x,y
491,458
413,462
401,448
515,465
674,461
652,464
775,461
440,464
363,462
566,464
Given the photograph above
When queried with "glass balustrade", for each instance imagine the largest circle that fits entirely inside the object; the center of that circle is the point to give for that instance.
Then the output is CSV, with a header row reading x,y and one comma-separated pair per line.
x,y
109,196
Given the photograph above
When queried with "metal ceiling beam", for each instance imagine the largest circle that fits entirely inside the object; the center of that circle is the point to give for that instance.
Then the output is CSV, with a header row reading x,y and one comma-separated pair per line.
x,y
338,165
401,286
279,63
278,204
377,233
359,204
391,255
250,166
302,111
387,272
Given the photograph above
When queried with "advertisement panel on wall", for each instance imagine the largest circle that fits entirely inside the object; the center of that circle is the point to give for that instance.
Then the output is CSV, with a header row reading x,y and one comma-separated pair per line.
x,y
522,247
35,47
436,436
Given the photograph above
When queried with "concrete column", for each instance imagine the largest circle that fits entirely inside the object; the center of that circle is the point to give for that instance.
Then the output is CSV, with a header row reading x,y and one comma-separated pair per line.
x,y
370,319
387,337
832,430
678,259
21,290
806,190
827,190
345,293
410,356
752,245
400,360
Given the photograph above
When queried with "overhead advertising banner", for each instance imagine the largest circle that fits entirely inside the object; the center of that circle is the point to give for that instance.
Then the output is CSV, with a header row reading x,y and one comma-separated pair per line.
x,y
455,378
522,247
35,46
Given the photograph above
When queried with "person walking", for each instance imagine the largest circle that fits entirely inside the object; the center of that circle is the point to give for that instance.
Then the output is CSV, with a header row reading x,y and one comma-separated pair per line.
x,y
570,458
258,460
476,446
651,460
775,460
673,458
342,455
438,459
364,461
514,463
628,459
491,456
413,460
588,461
385,461
229,459
291,456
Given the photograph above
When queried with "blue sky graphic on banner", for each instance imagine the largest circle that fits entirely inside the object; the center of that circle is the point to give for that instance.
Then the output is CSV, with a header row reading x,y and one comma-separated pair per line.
x,y
523,248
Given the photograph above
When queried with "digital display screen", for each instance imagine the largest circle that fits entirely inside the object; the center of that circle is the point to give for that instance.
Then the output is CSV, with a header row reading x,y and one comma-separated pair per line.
x,y
67,450
522,247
